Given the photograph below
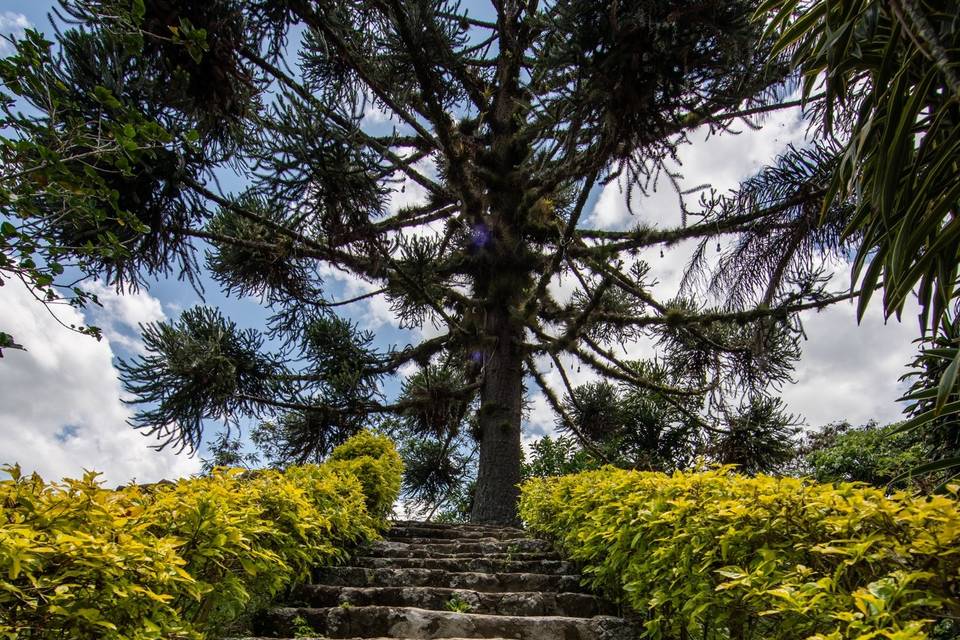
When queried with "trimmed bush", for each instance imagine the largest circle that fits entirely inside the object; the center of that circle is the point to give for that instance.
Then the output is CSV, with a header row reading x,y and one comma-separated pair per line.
x,y
714,555
374,460
179,560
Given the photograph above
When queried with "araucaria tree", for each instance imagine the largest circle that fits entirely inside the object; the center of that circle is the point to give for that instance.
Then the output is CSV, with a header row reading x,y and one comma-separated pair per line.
x,y
508,123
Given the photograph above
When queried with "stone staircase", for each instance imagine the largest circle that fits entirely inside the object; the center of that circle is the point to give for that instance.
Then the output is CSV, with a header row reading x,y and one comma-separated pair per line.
x,y
429,580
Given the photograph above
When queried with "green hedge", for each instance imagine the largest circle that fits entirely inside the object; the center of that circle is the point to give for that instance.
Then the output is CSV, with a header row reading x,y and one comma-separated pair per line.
x,y
180,560
717,555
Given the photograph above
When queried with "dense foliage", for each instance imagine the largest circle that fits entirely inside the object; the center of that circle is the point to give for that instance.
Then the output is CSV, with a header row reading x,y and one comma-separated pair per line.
x,y
934,401
556,456
869,453
177,560
715,555
647,428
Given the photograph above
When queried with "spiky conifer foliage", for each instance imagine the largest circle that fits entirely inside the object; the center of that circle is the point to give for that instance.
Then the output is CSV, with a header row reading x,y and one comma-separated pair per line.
x,y
508,124
653,430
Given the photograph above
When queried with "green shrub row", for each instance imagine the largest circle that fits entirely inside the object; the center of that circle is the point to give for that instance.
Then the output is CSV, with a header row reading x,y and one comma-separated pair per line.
x,y
180,560
718,555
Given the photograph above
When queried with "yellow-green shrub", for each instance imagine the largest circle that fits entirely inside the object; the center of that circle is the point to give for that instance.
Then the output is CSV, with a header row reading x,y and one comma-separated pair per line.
x,y
77,561
374,460
178,560
718,555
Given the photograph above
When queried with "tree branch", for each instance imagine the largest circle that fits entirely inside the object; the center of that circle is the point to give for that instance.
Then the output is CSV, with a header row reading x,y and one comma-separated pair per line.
x,y
624,373
678,318
456,164
361,409
559,410
745,113
421,353
314,21
375,143
575,329
319,251
568,232
640,238
364,296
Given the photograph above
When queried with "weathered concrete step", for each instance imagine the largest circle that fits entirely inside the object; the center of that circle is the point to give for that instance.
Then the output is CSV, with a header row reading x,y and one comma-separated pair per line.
x,y
481,548
385,549
515,603
450,525
482,565
433,533
489,582
411,622
526,540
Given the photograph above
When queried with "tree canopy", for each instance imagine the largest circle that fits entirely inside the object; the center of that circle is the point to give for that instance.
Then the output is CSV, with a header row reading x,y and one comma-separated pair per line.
x,y
508,124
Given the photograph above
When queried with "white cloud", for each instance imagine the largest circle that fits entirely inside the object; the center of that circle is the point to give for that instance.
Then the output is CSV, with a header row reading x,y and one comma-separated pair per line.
x,y
374,112
11,20
60,408
540,421
12,24
850,371
119,316
408,192
376,311
721,161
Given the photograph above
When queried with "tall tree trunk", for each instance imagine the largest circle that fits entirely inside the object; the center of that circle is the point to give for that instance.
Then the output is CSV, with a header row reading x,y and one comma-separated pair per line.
x,y
501,400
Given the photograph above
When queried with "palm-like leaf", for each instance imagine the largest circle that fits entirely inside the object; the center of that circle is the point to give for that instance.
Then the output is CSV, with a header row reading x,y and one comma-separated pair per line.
x,y
892,93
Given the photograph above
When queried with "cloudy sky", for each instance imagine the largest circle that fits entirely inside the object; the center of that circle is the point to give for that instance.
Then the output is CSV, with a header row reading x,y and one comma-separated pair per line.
x,y
61,408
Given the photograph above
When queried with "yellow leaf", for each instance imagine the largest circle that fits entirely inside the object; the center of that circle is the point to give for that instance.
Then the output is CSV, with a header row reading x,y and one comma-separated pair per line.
x,y
14,568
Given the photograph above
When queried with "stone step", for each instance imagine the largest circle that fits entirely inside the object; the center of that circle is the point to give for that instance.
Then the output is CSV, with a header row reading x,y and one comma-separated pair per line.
x,y
473,565
384,549
451,541
477,547
422,624
449,525
515,603
488,582
506,585
433,533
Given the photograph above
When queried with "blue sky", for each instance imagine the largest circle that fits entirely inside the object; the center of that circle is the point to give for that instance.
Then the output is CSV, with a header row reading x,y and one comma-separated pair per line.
x,y
60,402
